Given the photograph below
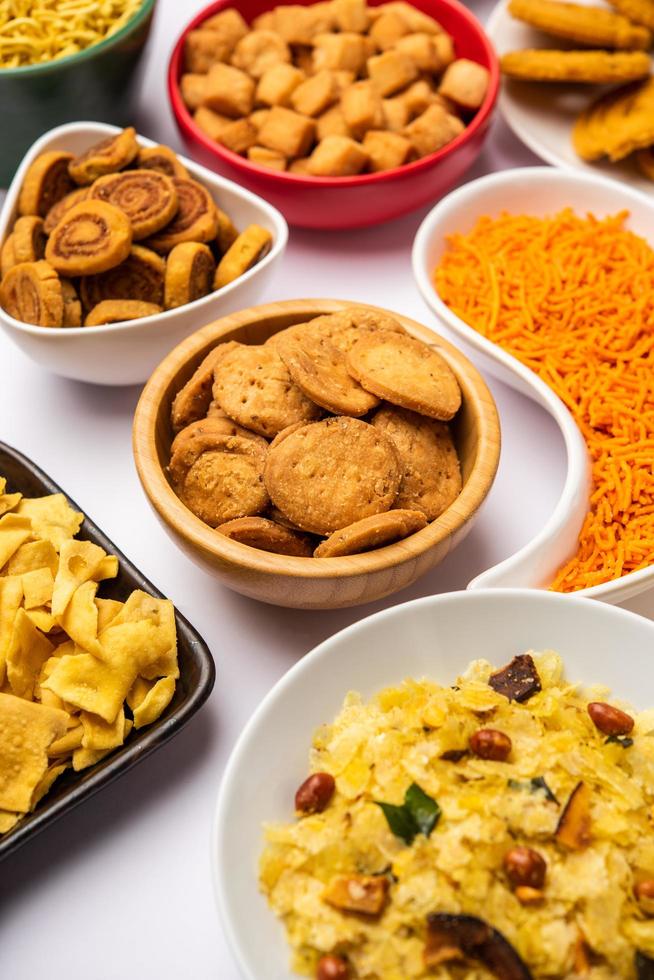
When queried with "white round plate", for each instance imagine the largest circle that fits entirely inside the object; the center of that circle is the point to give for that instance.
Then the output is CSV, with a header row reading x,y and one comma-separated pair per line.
x,y
542,115
538,191
434,637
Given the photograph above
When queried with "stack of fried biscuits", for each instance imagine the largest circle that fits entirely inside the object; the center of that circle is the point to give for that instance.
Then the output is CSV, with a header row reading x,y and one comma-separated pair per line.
x,y
330,439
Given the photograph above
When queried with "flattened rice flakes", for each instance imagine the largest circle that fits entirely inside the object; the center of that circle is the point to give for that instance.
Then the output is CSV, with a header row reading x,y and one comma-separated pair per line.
x,y
416,742
77,672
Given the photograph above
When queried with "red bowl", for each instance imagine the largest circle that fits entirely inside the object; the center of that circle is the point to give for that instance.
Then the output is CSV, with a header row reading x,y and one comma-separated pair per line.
x,y
368,199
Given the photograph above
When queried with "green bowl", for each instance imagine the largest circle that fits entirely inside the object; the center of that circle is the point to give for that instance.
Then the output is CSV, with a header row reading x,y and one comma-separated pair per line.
x,y
93,84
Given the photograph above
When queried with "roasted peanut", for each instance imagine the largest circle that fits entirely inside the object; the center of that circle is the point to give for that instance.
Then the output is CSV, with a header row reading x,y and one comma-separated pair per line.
x,y
332,968
525,866
644,893
488,743
610,720
315,793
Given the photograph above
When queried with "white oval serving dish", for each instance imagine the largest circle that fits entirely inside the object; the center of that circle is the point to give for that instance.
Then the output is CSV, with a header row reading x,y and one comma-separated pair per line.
x,y
542,115
538,191
434,637
126,353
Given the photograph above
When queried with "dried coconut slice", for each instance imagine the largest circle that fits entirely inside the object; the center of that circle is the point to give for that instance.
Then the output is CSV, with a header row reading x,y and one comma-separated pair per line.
x,y
431,475
371,532
320,370
93,236
406,372
31,292
330,474
45,183
106,157
261,533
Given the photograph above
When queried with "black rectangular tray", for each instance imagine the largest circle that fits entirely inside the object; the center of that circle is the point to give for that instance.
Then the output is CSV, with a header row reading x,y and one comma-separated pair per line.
x,y
196,667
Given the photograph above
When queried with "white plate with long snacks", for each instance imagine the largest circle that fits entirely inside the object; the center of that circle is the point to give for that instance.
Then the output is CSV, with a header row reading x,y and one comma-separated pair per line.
x,y
435,638
538,191
542,115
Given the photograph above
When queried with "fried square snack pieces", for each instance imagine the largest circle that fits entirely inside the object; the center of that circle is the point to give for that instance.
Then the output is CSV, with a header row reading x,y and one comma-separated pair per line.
x,y
77,672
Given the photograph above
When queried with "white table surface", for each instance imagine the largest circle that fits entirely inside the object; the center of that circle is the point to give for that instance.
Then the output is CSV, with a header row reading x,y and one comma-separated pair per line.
x,y
123,885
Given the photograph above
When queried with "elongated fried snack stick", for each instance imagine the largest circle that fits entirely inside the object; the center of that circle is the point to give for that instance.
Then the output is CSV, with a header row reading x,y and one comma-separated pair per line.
x,y
588,67
616,124
592,26
639,11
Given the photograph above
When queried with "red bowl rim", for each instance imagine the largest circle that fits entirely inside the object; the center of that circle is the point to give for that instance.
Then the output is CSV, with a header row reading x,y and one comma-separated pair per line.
x,y
282,177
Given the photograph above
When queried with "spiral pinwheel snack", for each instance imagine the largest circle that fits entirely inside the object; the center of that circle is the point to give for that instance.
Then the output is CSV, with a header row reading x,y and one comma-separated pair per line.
x,y
117,233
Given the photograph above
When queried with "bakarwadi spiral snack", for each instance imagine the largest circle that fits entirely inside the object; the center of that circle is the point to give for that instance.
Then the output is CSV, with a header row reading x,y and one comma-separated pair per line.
x,y
118,232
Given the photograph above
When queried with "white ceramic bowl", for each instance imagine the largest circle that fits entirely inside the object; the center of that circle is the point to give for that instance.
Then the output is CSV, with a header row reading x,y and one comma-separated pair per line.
x,y
126,353
543,115
434,637
539,191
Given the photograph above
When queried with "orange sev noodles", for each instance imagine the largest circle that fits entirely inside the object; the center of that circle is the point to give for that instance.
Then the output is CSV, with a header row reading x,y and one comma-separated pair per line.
x,y
573,299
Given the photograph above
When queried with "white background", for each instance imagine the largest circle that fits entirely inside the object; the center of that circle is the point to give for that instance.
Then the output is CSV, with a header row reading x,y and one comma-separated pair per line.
x,y
122,887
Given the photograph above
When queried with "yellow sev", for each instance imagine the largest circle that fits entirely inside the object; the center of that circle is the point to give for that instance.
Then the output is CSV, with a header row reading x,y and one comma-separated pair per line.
x,y
36,31
573,299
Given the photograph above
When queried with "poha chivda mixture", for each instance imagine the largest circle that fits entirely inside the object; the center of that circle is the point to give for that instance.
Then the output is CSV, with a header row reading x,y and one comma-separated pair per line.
x,y
500,827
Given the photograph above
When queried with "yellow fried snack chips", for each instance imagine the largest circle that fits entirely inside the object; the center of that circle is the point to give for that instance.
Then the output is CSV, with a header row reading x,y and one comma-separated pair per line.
x,y
26,732
52,517
77,671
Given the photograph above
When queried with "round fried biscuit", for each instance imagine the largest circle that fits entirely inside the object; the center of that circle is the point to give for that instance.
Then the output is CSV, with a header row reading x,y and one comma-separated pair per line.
x,y
187,438
252,385
192,402
320,370
371,532
287,432
346,328
332,473
220,477
431,476
296,331
259,532
406,372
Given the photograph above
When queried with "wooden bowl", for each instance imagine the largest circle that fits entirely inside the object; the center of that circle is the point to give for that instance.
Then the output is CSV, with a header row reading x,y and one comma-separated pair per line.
x,y
310,583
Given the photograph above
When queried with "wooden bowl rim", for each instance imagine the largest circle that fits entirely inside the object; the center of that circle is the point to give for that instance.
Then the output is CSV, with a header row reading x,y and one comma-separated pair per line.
x,y
205,539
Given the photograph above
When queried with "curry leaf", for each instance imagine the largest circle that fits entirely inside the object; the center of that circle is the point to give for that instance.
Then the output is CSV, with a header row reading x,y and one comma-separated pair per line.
x,y
622,740
401,822
425,811
419,814
535,785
